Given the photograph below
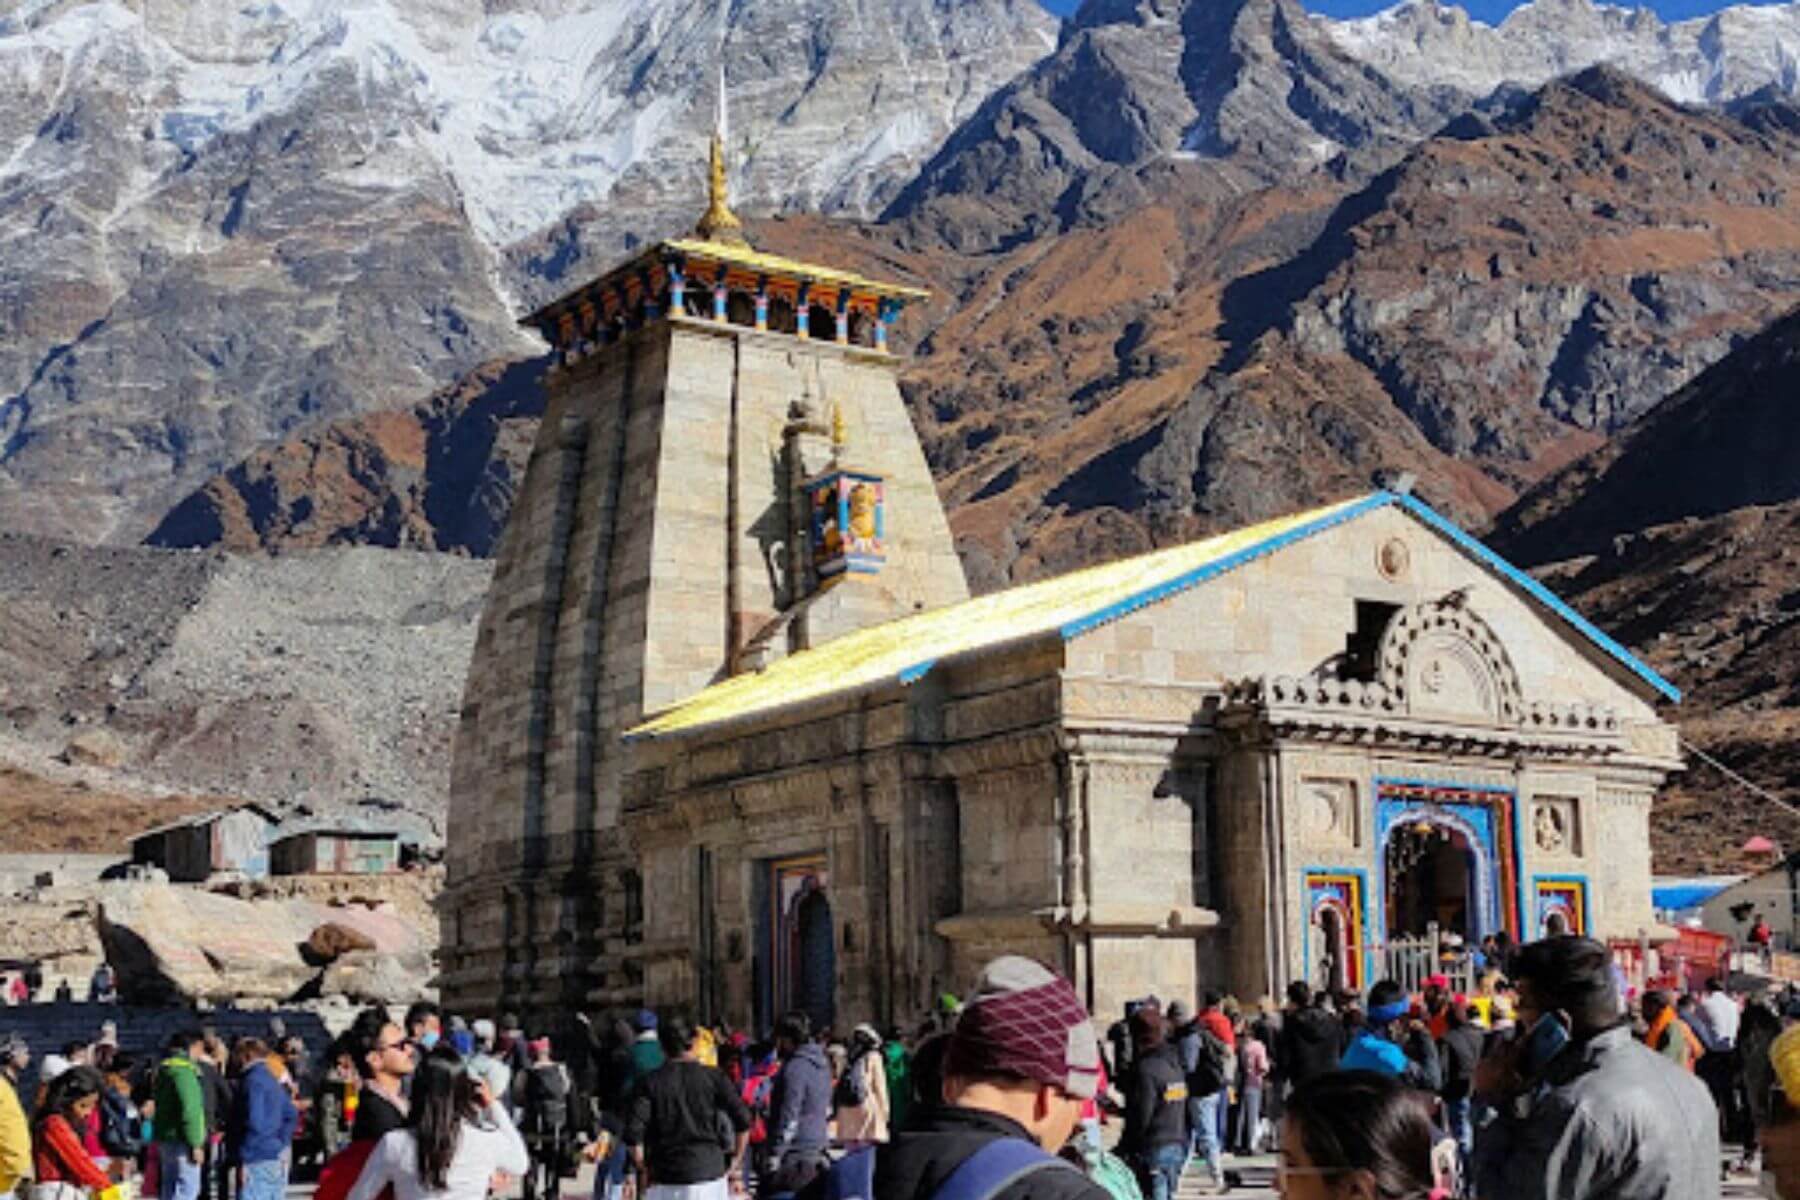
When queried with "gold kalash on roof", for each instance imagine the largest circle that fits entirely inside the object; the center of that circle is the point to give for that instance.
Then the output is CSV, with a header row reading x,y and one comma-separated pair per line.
x,y
717,275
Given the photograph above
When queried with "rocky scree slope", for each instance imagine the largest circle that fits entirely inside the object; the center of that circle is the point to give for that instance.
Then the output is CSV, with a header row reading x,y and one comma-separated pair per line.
x,y
222,222
327,679
1682,537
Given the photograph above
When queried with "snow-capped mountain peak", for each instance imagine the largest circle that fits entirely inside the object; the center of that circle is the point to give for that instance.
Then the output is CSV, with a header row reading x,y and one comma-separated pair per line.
x,y
1704,60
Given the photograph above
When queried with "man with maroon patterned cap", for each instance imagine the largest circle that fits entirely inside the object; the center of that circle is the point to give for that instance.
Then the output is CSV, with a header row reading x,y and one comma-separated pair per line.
x,y
1021,1061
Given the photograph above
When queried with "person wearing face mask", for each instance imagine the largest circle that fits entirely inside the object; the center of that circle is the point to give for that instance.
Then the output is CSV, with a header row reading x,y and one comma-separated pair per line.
x,y
1582,1109
1022,1061
1358,1135
425,1026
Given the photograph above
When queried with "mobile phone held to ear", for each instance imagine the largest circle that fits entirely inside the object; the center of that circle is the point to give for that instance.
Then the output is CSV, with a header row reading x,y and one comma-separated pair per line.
x,y
1543,1041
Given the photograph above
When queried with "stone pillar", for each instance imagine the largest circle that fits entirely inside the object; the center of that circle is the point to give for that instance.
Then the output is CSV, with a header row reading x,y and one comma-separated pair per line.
x,y
720,296
762,303
843,317
802,313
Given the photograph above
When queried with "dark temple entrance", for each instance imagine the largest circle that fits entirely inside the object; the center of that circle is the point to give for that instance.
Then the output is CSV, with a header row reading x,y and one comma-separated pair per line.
x,y
1431,880
796,964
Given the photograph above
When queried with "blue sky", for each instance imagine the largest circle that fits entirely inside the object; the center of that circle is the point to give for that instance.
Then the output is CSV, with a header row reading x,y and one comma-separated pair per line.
x,y
1485,10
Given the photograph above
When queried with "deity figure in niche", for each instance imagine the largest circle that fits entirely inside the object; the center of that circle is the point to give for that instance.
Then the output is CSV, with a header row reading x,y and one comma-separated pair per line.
x,y
865,498
1548,827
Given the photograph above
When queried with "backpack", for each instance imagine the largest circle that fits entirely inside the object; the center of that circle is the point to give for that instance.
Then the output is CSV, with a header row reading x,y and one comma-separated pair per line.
x,y
852,1090
547,1095
982,1176
1212,1065
116,1132
755,1095
1115,1176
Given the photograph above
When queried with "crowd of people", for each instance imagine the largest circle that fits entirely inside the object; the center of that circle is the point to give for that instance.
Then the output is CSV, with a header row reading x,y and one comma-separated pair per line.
x,y
1549,1082
1553,1080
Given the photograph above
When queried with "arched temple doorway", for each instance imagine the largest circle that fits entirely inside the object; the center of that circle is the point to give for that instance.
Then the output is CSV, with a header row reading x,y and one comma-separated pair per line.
x,y
797,966
1334,949
1431,880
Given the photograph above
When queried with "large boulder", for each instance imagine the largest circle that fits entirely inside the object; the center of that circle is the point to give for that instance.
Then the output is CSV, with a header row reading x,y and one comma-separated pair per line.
x,y
332,940
170,944
370,977
383,926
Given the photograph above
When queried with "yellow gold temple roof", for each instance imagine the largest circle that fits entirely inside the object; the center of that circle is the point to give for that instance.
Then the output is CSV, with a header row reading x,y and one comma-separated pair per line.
x,y
1070,605
905,649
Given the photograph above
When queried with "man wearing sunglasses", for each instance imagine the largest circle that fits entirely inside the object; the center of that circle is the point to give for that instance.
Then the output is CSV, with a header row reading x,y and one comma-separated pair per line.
x,y
384,1059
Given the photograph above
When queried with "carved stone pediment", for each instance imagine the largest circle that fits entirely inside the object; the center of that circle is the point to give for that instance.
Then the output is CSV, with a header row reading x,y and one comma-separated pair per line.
x,y
1441,673
1441,659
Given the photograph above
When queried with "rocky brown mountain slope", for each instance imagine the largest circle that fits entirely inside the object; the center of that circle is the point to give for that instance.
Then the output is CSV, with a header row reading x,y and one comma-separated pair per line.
x,y
438,476
1682,536
1493,305
224,224
1232,94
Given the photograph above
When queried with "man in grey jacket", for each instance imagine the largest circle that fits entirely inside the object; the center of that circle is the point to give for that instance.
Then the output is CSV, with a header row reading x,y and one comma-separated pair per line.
x,y
1598,1117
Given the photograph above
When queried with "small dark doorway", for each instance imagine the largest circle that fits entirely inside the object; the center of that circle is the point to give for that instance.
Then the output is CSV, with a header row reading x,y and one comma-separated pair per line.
x,y
814,963
1333,950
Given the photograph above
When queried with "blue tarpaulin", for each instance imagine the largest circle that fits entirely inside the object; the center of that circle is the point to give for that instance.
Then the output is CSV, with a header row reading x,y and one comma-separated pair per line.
x,y
1686,895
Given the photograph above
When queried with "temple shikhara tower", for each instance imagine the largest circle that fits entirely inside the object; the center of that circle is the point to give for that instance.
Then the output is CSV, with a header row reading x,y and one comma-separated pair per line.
x,y
736,738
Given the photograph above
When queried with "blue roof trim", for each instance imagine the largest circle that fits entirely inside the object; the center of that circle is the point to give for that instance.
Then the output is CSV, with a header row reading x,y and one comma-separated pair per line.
x,y
1538,592
917,671
1183,582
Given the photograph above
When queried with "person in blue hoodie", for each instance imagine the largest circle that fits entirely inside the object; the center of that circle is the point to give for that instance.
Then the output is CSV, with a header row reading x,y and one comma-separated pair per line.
x,y
261,1125
800,1107
1394,1042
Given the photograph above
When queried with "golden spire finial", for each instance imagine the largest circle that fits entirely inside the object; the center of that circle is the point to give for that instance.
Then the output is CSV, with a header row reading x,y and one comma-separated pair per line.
x,y
719,223
840,432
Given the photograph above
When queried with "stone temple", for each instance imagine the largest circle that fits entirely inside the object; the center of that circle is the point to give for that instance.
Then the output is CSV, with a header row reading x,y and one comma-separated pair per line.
x,y
736,738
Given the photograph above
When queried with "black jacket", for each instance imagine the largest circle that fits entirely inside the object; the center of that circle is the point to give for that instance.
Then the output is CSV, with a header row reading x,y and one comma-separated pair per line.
x,y
376,1116
216,1092
1460,1051
1309,1045
677,1114
921,1157
1156,1094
